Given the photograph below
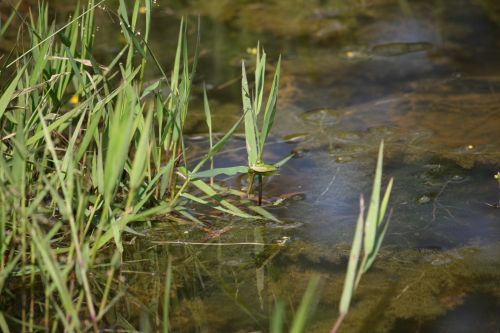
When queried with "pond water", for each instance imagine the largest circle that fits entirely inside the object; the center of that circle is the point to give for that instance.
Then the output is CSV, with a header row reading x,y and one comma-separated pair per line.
x,y
424,76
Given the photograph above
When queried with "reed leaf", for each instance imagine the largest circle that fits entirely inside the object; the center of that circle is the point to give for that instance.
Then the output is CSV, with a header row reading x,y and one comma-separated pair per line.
x,y
306,308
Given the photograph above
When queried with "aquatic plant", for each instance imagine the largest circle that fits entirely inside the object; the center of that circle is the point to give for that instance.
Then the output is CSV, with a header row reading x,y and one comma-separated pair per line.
x,y
369,234
255,135
303,314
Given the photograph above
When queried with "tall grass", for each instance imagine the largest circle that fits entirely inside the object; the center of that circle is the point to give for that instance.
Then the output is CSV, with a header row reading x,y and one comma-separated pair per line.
x,y
86,150
368,237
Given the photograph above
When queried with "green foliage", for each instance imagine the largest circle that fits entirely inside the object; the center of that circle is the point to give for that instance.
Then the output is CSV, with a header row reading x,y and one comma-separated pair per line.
x,y
255,137
83,155
303,314
368,237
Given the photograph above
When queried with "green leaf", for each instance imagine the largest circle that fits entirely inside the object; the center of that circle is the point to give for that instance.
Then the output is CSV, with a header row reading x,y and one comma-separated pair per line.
x,y
208,115
373,209
229,171
278,318
284,161
141,155
380,233
250,120
205,188
306,307
352,266
9,92
271,107
260,78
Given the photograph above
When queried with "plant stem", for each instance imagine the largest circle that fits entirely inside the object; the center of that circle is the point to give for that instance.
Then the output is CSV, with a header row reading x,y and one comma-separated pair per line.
x,y
339,321
260,189
250,183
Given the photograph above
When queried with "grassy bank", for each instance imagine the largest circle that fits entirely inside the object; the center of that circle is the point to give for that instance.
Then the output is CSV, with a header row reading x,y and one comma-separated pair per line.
x,y
87,150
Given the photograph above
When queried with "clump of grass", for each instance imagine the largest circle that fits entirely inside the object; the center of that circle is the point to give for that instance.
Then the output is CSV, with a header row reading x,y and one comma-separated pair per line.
x,y
256,129
255,137
86,150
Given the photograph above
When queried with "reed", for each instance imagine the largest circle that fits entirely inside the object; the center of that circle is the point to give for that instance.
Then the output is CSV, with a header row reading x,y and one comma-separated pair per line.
x,y
368,237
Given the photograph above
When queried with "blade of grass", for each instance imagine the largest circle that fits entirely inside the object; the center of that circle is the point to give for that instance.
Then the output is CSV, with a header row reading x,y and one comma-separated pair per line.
x,y
250,120
306,307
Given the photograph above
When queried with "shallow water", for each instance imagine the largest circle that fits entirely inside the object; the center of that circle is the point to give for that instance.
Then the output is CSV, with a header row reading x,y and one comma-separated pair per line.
x,y
424,76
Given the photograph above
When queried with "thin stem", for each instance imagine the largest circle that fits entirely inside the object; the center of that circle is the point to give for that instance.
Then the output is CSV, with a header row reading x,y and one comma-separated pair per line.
x,y
250,183
339,321
260,189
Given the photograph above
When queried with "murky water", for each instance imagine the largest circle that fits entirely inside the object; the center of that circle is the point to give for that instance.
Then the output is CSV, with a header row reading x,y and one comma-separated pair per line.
x,y
422,75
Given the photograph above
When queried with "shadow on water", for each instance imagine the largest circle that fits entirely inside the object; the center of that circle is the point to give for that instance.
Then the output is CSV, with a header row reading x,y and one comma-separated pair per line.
x,y
425,77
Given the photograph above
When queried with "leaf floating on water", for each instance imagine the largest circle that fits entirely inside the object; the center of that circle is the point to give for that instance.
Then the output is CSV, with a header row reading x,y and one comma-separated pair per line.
x,y
229,171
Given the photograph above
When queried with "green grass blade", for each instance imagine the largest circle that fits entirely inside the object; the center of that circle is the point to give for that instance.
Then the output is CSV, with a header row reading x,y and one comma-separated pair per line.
x,y
57,276
208,119
385,201
229,171
9,92
381,225
260,78
279,164
7,22
208,115
7,269
352,267
306,307
205,188
3,323
272,104
141,156
373,209
278,318
264,213
250,120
